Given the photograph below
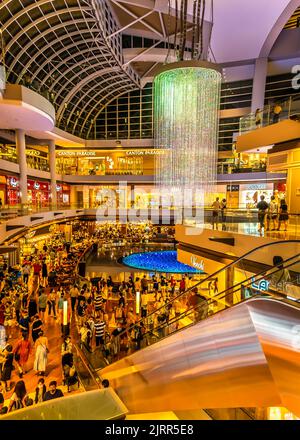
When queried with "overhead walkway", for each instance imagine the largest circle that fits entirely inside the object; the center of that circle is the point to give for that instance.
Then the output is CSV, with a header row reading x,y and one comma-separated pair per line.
x,y
270,131
236,349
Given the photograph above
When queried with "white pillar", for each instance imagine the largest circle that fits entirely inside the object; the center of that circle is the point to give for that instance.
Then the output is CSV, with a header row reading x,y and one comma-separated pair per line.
x,y
52,165
259,84
21,153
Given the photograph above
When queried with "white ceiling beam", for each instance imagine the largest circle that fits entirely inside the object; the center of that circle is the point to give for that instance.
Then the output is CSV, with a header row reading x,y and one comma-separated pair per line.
x,y
162,24
147,4
136,16
130,24
141,53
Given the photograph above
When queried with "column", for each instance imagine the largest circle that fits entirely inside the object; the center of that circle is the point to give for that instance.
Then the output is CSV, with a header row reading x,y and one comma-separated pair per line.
x,y
21,153
52,165
259,84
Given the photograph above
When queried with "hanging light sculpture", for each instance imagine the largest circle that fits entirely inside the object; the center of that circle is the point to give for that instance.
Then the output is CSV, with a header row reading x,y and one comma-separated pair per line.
x,y
186,106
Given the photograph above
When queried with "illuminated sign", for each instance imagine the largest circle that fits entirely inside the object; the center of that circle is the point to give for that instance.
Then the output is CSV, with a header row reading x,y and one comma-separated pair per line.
x,y
58,188
196,263
13,182
36,185
262,285
255,186
33,153
76,153
145,153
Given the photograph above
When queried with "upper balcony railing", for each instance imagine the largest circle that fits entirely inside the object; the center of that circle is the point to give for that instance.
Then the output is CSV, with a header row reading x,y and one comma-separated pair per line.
x,y
75,171
231,168
271,114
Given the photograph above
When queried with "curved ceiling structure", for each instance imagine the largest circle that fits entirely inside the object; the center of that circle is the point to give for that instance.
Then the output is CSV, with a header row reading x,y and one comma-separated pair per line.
x,y
61,49
74,53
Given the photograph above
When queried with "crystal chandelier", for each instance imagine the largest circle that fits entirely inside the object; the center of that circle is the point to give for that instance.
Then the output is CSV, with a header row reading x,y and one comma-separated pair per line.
x,y
186,114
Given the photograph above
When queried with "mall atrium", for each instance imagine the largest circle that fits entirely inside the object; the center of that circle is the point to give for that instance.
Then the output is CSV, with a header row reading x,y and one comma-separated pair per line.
x,y
149,210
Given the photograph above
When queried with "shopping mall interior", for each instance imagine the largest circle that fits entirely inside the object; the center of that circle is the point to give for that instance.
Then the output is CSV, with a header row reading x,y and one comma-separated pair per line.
x,y
149,210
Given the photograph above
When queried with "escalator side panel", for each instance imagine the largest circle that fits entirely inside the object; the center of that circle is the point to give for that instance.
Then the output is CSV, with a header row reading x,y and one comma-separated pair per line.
x,y
217,363
278,329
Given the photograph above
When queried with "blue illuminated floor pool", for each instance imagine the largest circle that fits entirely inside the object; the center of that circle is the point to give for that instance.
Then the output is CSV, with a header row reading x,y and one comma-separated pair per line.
x,y
160,261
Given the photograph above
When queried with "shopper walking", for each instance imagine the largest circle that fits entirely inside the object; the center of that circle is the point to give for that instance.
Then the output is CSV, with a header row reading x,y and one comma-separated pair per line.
x,y
44,273
272,214
74,292
99,327
215,213
262,207
283,215
223,207
7,366
32,306
21,352
41,354
42,304
36,327
52,303
26,272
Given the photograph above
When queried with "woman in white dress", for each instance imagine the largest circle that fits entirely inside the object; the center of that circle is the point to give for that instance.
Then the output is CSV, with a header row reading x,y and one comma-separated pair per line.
x,y
41,354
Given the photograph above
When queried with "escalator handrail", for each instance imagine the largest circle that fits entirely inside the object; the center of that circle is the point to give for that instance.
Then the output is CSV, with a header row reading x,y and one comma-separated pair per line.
x,y
211,276
86,364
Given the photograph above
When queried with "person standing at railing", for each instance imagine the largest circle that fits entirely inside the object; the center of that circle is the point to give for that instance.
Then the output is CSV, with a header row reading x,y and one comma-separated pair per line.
x,y
223,207
277,109
272,214
262,207
258,118
283,215
215,213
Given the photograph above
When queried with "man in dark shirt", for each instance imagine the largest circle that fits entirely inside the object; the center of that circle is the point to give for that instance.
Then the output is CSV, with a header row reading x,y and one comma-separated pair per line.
x,y
262,207
24,321
53,392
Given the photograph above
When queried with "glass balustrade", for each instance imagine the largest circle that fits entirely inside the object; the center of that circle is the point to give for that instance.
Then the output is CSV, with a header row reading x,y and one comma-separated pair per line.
x,y
271,114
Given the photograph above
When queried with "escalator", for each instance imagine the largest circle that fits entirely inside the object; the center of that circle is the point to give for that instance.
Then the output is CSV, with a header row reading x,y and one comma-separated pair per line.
x,y
239,348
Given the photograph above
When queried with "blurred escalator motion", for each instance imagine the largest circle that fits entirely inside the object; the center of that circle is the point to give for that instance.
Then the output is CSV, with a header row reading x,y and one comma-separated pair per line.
x,y
203,349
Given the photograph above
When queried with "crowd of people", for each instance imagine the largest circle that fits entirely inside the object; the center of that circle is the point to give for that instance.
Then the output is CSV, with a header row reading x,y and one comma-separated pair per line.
x,y
31,302
271,216
44,296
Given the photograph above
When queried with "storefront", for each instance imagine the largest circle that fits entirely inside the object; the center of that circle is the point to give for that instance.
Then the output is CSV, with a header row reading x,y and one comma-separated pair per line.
x,y
3,190
13,190
232,196
63,194
38,193
37,159
106,162
249,194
